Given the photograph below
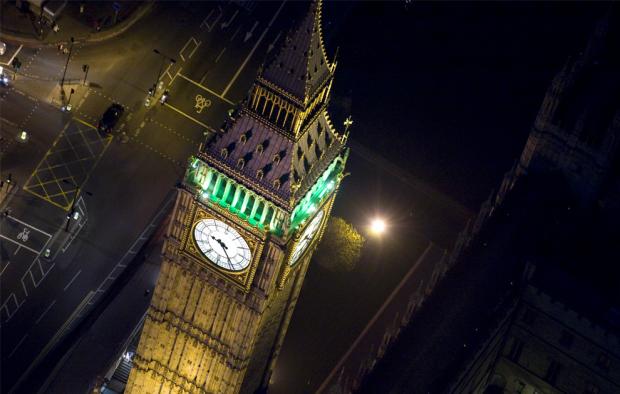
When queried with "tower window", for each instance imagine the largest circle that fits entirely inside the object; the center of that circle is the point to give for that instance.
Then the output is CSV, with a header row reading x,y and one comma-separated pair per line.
x,y
240,163
276,183
224,152
260,174
307,165
328,139
276,158
259,149
317,151
243,138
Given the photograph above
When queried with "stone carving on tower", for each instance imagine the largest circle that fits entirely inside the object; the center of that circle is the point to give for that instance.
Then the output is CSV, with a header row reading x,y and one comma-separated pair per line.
x,y
250,211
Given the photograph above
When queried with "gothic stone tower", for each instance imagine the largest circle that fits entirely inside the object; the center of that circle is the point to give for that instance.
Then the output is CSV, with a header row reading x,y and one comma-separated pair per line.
x,y
252,208
577,131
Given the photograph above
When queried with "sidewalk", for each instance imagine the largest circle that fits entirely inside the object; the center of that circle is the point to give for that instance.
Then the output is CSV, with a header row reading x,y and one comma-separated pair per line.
x,y
98,22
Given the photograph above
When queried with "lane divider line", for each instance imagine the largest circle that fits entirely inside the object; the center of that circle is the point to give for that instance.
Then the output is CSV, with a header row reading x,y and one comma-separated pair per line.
x,y
72,280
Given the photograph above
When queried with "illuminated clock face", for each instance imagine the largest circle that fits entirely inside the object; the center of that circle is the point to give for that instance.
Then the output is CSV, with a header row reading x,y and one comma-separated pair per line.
x,y
306,237
222,245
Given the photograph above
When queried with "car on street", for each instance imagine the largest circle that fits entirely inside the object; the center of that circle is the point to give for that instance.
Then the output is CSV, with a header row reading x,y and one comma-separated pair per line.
x,y
4,78
110,118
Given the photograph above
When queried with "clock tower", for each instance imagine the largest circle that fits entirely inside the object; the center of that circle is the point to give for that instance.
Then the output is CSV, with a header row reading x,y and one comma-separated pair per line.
x,y
250,211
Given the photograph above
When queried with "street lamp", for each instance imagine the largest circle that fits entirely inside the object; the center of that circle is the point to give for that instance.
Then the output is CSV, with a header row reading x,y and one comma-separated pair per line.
x,y
378,226
73,214
62,81
161,68
67,107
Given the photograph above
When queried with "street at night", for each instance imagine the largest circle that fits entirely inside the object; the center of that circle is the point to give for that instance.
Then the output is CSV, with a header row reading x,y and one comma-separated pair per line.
x,y
126,126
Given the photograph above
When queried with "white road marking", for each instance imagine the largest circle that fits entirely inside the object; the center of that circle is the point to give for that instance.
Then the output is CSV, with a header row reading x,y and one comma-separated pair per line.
x,y
235,33
250,33
18,344
206,89
210,27
232,18
54,339
5,306
204,21
220,55
72,280
272,44
44,312
260,39
196,45
7,264
13,57
29,225
18,244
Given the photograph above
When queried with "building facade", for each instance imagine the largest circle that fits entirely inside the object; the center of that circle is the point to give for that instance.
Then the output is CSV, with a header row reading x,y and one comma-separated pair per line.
x,y
250,211
546,345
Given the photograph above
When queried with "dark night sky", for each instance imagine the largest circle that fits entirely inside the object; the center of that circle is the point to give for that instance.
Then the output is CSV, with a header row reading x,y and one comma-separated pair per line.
x,y
449,91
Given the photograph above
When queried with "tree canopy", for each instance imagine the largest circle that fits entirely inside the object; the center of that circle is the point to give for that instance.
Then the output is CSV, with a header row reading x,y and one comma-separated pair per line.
x,y
340,247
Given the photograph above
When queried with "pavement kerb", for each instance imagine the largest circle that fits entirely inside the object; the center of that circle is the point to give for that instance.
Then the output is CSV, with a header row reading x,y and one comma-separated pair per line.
x,y
90,38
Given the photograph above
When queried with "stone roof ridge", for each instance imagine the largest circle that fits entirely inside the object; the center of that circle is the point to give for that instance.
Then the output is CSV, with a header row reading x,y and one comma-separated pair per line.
x,y
301,64
330,124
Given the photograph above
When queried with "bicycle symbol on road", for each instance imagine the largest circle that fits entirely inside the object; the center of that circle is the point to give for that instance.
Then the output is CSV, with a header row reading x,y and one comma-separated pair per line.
x,y
23,236
201,103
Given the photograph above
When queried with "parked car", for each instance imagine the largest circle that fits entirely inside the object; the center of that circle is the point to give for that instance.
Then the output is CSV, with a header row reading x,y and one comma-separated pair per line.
x,y
110,118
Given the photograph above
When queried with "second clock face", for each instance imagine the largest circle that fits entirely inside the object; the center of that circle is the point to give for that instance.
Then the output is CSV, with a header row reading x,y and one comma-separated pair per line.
x,y
306,237
222,245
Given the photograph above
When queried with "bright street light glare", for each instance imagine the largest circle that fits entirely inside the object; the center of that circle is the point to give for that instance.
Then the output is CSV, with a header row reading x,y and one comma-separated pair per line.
x,y
377,226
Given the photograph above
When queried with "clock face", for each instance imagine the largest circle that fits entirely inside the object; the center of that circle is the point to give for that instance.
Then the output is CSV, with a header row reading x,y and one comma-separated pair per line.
x,y
222,245
306,237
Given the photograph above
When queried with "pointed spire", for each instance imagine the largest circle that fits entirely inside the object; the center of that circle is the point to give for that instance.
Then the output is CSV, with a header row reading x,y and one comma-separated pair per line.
x,y
301,65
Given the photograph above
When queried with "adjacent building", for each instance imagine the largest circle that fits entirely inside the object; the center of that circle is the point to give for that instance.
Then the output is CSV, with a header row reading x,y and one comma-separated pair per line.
x,y
531,304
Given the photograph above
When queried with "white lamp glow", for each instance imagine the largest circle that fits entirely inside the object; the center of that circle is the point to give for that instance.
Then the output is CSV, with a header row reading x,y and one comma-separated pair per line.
x,y
377,226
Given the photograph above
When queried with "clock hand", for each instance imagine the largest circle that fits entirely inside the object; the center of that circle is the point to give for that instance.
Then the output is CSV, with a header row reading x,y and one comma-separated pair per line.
x,y
225,252
223,245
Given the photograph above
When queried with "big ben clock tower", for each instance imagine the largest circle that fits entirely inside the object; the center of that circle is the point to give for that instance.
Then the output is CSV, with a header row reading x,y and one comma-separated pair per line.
x,y
248,215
